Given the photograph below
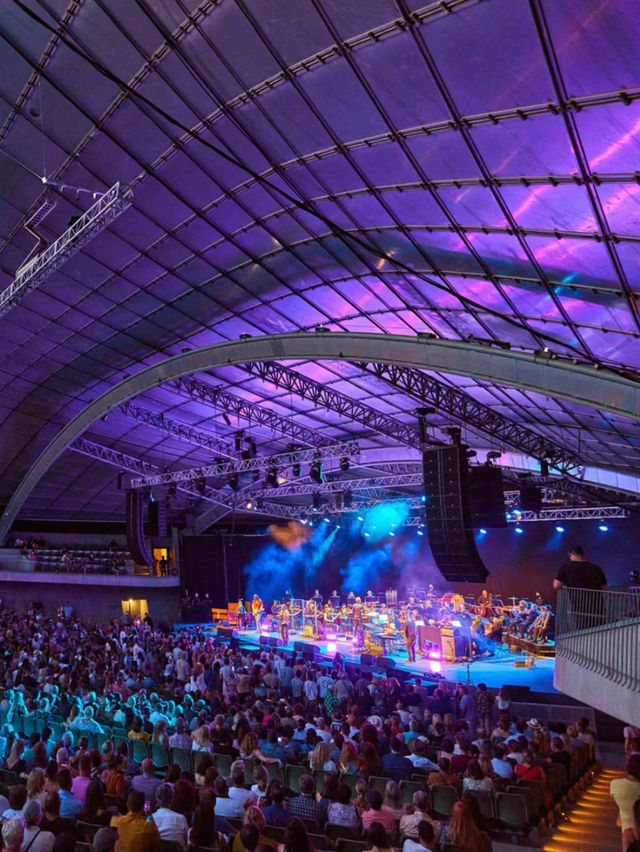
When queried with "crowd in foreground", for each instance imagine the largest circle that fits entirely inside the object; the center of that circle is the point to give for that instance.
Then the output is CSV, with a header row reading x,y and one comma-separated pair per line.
x,y
157,736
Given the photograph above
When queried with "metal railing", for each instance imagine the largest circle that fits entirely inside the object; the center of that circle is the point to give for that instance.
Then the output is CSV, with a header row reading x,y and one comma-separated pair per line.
x,y
600,631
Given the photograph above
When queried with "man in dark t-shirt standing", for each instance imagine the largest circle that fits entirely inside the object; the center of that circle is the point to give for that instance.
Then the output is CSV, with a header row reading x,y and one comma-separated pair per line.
x,y
578,573
583,609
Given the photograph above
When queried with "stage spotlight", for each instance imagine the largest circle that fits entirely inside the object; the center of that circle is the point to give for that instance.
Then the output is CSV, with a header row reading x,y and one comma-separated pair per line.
x,y
347,499
423,498
345,464
316,501
234,482
360,518
603,528
519,530
366,535
315,470
559,529
392,533
482,531
249,504
326,520
272,478
420,532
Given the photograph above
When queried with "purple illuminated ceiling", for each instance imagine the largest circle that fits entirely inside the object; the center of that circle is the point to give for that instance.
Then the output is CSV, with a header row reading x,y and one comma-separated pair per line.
x,y
484,151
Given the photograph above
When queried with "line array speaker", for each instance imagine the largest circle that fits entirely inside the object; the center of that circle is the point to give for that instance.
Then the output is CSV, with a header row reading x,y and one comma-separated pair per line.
x,y
448,514
530,499
486,497
135,528
224,633
157,518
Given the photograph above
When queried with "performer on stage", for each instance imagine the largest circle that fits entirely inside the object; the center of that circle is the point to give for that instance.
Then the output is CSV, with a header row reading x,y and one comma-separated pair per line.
x,y
410,635
334,599
540,626
257,610
317,598
284,616
485,598
370,597
242,614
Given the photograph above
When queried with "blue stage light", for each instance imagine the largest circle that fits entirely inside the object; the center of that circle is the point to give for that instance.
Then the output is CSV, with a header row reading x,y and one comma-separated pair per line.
x,y
327,520
392,533
559,529
420,532
519,530
603,528
360,518
366,535
482,531
423,499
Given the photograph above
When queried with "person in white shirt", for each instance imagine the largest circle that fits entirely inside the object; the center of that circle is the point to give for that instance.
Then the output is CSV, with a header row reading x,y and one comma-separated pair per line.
x,y
410,823
226,806
426,838
170,824
310,688
237,790
35,840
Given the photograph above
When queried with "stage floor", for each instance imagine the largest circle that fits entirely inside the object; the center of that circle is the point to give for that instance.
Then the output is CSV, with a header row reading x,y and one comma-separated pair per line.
x,y
493,671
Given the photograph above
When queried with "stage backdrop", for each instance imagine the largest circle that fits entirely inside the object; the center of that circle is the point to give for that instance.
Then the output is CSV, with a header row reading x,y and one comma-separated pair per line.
x,y
229,565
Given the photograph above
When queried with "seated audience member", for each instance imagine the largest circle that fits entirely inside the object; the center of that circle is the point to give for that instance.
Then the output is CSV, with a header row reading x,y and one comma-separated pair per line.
x,y
70,807
426,839
204,832
342,812
464,832
377,838
410,823
17,801
135,834
253,816
95,810
476,781
12,834
104,840
376,813
170,824
305,804
394,764
273,808
225,805
35,839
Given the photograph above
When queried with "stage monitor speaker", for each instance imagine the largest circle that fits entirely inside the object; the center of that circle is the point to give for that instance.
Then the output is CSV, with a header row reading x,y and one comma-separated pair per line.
x,y
486,497
368,660
448,515
338,659
135,528
309,656
386,663
157,518
224,633
531,499
299,647
272,641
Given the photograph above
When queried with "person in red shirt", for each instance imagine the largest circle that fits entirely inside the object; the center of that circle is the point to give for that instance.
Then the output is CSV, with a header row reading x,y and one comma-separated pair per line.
x,y
376,813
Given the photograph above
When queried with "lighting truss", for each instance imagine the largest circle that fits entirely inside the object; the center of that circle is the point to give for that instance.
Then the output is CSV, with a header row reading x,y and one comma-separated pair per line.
x,y
467,411
106,209
332,451
577,513
123,461
177,429
256,415
331,400
378,483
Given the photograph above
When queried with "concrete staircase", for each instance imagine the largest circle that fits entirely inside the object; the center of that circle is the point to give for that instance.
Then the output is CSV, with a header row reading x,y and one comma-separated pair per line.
x,y
591,824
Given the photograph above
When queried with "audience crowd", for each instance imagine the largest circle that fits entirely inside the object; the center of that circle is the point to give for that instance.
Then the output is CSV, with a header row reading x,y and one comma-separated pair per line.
x,y
131,737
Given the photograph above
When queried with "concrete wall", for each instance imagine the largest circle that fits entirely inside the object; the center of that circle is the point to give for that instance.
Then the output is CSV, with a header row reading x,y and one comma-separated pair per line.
x,y
616,650
93,597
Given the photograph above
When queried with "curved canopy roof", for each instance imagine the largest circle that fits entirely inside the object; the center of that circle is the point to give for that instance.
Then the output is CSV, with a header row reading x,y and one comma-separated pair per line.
x,y
463,169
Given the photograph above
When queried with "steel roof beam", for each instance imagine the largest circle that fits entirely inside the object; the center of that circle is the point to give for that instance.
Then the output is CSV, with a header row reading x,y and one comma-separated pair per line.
x,y
545,373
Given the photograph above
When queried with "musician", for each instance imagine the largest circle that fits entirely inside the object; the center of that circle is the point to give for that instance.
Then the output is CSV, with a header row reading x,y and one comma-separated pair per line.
x,y
411,635
370,597
540,626
317,597
284,617
241,615
358,619
485,598
431,592
351,599
288,597
257,610
334,599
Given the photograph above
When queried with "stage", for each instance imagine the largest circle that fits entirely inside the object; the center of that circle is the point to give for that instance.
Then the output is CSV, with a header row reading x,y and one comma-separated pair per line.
x,y
493,671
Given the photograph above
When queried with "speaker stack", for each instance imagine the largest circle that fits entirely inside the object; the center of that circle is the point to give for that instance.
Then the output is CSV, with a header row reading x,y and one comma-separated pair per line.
x,y
157,518
448,512
135,528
